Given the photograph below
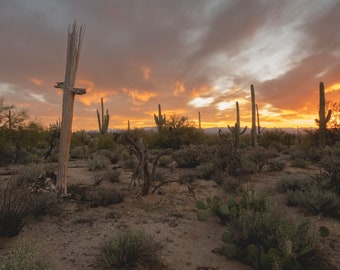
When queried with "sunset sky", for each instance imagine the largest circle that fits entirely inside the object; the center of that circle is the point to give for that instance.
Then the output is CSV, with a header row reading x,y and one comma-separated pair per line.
x,y
187,55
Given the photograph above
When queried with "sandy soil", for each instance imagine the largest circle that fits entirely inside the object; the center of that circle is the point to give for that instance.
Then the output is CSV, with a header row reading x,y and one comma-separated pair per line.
x,y
72,233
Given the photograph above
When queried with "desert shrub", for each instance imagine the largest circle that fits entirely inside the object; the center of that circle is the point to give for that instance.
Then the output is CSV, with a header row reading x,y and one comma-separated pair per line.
x,y
95,196
228,182
248,166
231,183
299,163
129,248
130,161
165,161
105,141
330,166
188,157
301,182
111,176
41,203
277,138
260,236
277,164
316,202
206,170
298,153
29,174
227,159
7,151
315,154
80,152
26,257
98,162
226,211
266,240
260,156
15,209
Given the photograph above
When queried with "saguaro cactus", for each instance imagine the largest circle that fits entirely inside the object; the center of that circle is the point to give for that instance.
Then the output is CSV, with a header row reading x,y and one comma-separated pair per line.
x,y
323,118
103,122
259,129
236,130
75,38
199,120
253,116
160,120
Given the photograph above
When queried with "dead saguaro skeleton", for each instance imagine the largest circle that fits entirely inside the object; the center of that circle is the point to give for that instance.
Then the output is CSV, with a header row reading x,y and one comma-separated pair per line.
x,y
75,38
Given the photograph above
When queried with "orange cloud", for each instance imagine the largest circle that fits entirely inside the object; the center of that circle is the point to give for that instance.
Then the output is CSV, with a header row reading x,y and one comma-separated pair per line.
x,y
93,94
139,96
179,88
146,72
334,87
36,81
196,92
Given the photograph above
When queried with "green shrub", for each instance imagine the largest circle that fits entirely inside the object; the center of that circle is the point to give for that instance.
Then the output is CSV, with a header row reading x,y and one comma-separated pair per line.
x,y
260,236
299,163
165,161
98,162
129,160
330,165
266,240
80,152
30,174
316,202
26,257
15,209
188,157
277,164
206,170
95,196
129,248
111,176
227,210
294,182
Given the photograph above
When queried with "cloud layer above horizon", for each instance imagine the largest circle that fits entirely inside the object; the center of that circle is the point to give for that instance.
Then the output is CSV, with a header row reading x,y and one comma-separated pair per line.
x,y
188,56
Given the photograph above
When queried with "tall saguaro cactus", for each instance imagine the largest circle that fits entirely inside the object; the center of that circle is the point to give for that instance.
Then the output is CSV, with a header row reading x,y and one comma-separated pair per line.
x,y
253,116
160,120
259,129
75,38
199,120
103,121
236,130
323,118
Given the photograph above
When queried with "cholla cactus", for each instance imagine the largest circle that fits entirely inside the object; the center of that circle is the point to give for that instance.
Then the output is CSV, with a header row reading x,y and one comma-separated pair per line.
x,y
103,122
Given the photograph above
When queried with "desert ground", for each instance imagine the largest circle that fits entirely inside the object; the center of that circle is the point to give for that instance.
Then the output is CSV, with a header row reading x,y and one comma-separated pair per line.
x,y
71,233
